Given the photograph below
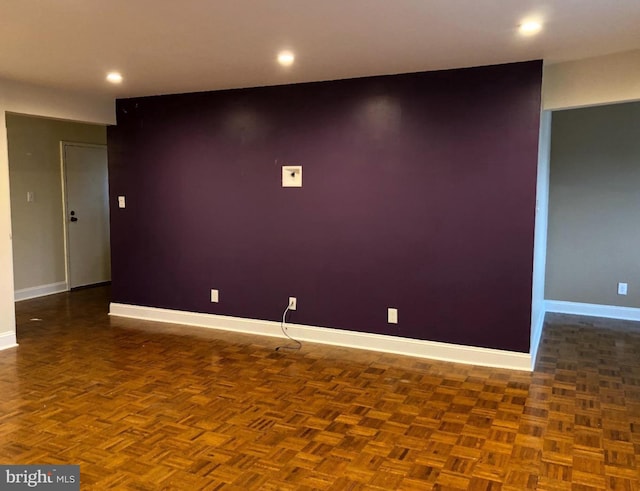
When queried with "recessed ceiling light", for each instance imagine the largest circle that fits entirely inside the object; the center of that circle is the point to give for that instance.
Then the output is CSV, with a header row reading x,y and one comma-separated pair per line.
x,y
286,58
114,77
530,27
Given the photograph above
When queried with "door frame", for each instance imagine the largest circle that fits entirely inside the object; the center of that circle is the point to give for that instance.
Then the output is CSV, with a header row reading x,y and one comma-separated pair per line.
x,y
65,222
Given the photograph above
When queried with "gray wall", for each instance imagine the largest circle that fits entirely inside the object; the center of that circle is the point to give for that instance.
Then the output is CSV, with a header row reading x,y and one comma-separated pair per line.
x,y
594,205
34,165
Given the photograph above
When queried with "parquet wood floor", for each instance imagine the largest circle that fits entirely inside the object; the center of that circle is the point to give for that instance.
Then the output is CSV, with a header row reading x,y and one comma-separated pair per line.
x,y
146,406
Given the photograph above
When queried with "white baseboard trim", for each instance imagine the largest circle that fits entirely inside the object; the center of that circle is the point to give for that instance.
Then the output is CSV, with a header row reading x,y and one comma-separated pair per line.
x,y
8,340
593,310
40,291
536,335
337,337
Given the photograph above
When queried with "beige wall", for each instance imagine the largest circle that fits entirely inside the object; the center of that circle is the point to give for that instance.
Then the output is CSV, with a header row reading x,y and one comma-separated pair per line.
x,y
594,205
40,101
592,81
7,312
34,166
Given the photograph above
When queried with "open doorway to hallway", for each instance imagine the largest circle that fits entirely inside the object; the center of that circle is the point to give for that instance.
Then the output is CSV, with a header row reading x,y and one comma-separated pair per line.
x,y
45,247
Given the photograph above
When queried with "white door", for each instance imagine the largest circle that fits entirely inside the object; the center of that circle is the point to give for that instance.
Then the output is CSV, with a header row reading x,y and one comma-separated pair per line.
x,y
87,214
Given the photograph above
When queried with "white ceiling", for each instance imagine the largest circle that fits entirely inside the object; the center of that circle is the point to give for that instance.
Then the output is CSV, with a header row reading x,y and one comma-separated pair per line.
x,y
166,46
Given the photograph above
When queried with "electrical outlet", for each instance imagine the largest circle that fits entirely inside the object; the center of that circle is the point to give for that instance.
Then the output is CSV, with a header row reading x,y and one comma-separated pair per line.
x,y
214,296
121,202
392,316
622,288
293,303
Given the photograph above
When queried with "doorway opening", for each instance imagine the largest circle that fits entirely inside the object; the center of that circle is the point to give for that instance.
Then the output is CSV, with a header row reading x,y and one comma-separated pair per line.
x,y
39,214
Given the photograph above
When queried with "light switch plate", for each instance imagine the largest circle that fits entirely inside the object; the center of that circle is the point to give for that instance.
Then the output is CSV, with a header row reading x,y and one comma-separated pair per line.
x,y
291,176
121,203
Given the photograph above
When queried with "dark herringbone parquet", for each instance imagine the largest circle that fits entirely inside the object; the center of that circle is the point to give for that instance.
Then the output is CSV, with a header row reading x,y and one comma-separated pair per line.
x,y
150,406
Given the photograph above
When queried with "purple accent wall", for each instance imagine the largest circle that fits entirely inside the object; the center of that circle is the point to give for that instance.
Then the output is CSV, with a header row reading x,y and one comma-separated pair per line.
x,y
418,193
